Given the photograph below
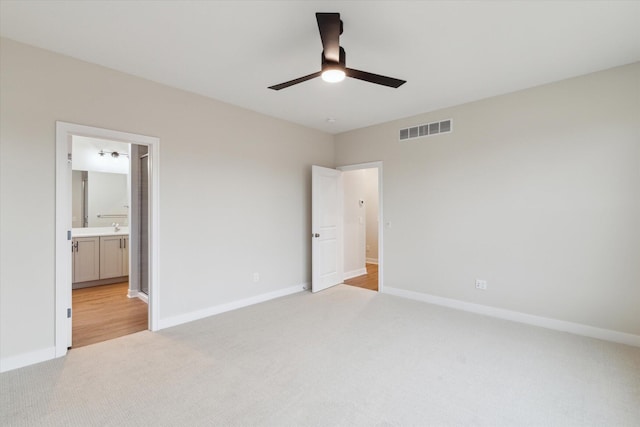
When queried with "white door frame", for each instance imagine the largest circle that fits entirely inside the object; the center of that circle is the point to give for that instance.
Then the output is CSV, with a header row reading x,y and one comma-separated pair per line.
x,y
374,165
64,132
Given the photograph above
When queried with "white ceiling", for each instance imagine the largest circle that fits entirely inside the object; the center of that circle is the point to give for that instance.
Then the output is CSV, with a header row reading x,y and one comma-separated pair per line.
x,y
450,52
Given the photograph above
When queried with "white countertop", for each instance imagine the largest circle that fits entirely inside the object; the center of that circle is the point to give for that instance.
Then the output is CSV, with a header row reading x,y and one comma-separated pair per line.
x,y
99,231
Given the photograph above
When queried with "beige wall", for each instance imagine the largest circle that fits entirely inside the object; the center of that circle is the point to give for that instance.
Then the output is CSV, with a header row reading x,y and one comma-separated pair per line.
x,y
77,199
371,205
537,192
234,188
354,186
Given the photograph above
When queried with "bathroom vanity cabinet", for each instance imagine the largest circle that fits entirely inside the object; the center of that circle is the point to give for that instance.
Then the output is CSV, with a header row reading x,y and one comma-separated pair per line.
x,y
99,257
86,258
114,256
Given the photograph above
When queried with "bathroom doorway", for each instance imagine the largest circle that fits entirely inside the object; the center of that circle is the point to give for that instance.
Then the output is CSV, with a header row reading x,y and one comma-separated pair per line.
x,y
110,195
112,263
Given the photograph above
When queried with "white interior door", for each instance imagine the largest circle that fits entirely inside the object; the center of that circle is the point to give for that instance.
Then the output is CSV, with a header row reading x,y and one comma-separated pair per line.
x,y
326,228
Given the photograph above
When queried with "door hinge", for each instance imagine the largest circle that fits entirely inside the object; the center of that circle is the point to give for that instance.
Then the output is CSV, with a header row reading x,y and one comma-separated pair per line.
x,y
68,234
68,313
69,157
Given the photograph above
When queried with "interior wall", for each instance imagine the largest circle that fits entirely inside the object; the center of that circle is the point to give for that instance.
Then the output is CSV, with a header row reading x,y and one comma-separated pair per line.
x,y
354,223
234,197
77,191
371,206
360,220
86,156
108,195
108,181
536,192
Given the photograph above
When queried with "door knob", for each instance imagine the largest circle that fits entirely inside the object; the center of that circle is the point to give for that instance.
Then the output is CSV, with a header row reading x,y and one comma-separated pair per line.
x,y
316,235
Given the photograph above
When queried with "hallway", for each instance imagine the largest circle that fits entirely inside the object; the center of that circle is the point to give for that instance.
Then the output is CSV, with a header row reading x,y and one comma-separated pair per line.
x,y
366,281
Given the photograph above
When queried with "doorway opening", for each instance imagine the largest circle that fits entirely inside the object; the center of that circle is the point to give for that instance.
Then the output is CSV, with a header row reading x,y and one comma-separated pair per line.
x,y
107,211
110,263
328,223
361,226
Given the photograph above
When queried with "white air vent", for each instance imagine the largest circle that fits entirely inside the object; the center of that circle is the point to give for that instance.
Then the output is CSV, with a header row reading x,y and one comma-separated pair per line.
x,y
426,130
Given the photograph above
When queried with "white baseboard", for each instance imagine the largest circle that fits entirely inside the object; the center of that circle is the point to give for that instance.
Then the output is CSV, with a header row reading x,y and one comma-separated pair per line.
x,y
354,273
31,358
211,311
25,359
515,316
137,294
372,260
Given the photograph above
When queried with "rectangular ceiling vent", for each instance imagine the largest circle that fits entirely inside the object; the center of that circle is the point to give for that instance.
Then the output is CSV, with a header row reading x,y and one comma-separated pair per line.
x,y
428,129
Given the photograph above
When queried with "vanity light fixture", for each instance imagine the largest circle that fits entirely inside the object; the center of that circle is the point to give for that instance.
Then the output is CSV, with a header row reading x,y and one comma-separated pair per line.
x,y
114,154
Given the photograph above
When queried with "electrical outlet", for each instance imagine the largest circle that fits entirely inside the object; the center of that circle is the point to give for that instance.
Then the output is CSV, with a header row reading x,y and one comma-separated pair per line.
x,y
256,277
481,284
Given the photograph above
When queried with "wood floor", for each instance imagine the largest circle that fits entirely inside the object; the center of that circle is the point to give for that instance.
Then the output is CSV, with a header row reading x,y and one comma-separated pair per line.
x,y
105,312
367,281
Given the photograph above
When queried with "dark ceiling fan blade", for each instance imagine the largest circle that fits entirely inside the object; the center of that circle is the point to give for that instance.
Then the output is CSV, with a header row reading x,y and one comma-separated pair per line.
x,y
295,81
374,78
330,28
334,57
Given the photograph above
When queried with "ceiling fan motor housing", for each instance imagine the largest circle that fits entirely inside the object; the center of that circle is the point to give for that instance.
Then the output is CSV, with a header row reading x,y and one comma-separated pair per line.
x,y
333,65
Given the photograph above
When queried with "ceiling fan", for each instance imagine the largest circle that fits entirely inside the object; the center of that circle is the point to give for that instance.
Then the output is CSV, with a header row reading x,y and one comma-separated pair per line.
x,y
334,58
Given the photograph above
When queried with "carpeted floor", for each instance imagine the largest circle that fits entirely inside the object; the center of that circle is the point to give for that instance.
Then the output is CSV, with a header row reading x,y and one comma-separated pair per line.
x,y
345,356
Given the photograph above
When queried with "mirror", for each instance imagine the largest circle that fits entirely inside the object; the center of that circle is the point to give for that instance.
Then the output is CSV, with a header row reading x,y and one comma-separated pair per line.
x,y
99,199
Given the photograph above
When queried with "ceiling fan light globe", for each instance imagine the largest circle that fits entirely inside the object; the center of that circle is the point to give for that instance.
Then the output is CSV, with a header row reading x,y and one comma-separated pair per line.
x,y
333,75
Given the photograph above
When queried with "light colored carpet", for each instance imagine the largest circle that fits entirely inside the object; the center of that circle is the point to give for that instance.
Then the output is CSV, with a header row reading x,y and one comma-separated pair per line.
x,y
345,356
